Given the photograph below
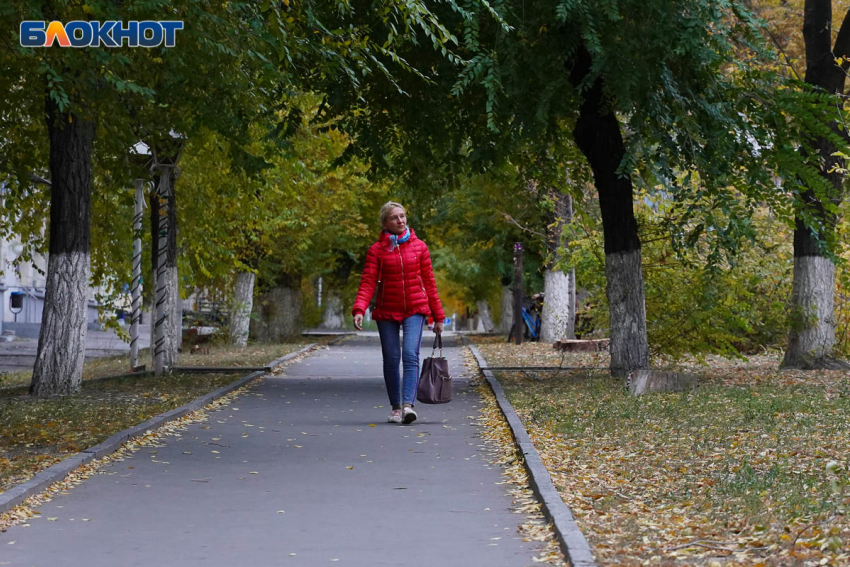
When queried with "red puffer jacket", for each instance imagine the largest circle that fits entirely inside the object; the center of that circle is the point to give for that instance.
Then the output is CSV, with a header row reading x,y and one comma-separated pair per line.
x,y
404,278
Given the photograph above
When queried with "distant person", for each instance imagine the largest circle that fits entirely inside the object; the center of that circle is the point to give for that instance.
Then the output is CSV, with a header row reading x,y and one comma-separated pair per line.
x,y
398,266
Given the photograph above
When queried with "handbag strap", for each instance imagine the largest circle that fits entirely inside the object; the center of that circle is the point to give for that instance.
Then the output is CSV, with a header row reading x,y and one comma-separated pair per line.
x,y
438,341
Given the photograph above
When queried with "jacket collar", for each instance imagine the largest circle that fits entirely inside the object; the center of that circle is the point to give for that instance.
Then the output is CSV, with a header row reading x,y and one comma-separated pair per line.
x,y
384,237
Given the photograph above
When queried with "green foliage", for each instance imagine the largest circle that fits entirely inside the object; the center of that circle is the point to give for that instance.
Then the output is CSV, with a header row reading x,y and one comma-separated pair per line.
x,y
738,305
707,119
234,65
301,214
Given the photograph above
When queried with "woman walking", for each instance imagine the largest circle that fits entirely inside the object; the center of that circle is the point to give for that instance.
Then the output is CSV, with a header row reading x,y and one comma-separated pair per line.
x,y
398,266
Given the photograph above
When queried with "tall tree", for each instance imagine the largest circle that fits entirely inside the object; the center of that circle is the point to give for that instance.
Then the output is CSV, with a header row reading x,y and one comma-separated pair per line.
x,y
812,335
107,88
64,319
75,94
92,91
650,91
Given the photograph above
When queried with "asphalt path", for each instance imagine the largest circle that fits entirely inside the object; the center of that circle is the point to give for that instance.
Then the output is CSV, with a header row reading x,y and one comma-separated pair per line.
x,y
301,470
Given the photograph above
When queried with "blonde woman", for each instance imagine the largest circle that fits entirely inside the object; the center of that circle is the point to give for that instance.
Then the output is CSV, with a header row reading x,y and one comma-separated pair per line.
x,y
398,266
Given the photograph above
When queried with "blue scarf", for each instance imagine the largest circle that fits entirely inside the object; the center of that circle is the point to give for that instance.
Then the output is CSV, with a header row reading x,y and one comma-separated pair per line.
x,y
395,239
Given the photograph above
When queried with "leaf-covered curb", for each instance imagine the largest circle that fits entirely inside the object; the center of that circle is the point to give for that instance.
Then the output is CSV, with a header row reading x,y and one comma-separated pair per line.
x,y
572,541
501,450
82,471
59,471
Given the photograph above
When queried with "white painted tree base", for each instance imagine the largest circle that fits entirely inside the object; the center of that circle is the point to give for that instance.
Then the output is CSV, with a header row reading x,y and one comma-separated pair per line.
x,y
557,311
486,321
332,317
812,338
243,303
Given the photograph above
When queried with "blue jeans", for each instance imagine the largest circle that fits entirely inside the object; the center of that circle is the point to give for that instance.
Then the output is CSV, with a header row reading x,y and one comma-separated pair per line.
x,y
401,391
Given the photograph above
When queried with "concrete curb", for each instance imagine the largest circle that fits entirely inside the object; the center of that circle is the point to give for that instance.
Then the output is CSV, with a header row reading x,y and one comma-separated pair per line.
x,y
572,541
17,494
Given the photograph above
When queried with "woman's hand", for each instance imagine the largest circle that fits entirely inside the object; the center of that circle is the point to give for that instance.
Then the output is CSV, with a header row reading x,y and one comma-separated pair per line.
x,y
358,321
438,327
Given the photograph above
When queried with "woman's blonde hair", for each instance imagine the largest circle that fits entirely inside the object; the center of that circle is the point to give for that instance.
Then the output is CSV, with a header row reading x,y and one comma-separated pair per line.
x,y
389,206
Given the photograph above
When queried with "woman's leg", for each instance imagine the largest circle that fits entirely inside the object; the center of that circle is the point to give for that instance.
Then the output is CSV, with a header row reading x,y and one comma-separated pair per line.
x,y
410,357
391,349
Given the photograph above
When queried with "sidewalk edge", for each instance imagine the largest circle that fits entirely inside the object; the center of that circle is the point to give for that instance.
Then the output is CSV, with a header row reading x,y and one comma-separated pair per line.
x,y
571,539
20,492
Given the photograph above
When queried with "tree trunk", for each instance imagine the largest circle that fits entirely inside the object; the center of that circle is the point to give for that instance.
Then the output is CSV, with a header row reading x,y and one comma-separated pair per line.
x,y
811,338
558,317
243,303
165,276
332,317
485,317
570,331
278,311
62,339
597,134
165,318
174,306
154,218
507,319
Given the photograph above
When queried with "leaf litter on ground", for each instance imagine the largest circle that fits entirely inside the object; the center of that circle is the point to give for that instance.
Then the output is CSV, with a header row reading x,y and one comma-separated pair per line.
x,y
749,469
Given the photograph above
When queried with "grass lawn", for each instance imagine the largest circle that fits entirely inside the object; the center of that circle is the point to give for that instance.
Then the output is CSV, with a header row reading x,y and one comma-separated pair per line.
x,y
38,433
751,468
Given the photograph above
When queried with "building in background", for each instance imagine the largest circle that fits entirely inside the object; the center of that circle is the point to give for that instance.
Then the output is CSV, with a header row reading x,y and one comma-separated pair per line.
x,y
22,292
22,288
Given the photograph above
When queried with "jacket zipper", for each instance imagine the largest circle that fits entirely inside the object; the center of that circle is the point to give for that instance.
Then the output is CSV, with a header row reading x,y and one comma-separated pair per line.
x,y
421,283
380,273
401,262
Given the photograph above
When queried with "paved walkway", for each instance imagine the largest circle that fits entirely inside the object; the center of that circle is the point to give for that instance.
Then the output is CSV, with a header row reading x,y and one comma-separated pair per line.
x,y
294,473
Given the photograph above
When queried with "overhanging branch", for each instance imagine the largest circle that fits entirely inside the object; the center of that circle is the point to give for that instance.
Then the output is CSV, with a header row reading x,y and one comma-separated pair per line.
x,y
38,179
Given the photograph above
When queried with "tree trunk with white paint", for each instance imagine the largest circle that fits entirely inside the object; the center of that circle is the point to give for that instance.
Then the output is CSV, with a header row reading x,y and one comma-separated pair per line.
x,y
154,220
173,303
484,316
557,320
557,314
598,136
812,335
332,316
811,338
243,304
278,311
62,339
507,319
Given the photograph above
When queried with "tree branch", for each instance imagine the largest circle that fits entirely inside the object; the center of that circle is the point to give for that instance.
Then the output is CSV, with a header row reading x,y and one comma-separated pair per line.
x,y
38,179
785,55
514,222
842,42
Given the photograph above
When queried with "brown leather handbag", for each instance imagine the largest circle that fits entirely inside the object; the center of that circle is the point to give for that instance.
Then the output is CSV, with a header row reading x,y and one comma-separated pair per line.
x,y
435,382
